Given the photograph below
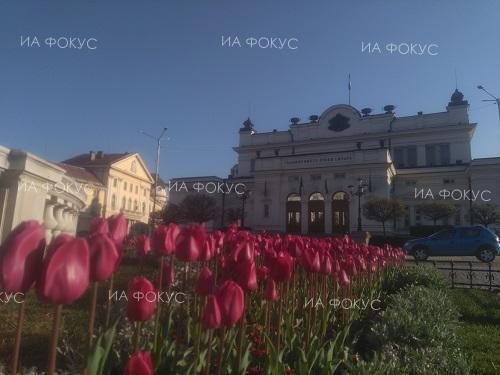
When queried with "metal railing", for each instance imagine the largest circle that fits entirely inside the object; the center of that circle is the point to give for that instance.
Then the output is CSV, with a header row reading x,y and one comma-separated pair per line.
x,y
467,274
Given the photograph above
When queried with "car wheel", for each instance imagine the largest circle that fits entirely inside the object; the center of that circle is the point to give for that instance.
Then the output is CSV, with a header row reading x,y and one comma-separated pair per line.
x,y
486,254
420,253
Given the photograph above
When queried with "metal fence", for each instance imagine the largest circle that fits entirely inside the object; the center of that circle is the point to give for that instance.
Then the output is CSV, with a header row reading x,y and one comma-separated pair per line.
x,y
466,274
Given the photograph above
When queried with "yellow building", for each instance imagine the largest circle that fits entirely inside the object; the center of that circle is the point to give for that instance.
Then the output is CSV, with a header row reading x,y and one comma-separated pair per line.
x,y
115,183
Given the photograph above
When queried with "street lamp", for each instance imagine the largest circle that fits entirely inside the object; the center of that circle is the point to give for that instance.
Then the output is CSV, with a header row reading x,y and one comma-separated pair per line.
x,y
495,99
359,192
158,147
244,197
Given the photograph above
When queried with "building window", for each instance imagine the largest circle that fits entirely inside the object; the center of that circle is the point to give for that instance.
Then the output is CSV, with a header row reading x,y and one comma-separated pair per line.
x,y
143,207
418,216
448,181
358,145
136,189
136,205
437,154
129,207
113,201
131,187
407,217
405,157
266,210
124,201
125,185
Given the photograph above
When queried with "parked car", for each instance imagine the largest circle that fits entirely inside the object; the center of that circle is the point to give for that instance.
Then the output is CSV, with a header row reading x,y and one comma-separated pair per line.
x,y
475,240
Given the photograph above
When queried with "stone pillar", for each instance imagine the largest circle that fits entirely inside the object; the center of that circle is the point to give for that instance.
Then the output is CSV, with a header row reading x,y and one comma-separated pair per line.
x,y
49,221
58,214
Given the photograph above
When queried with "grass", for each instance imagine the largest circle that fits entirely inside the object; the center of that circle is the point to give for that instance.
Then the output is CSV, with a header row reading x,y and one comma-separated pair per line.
x,y
480,327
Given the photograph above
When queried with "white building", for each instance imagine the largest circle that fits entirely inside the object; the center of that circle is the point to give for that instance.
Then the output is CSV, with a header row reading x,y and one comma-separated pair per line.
x,y
304,179
33,188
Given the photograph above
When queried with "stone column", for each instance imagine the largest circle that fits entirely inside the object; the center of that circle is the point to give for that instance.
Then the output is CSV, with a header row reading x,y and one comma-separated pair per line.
x,y
49,221
304,215
58,214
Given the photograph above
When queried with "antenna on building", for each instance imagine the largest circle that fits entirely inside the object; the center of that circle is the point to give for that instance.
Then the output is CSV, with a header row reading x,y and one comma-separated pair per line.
x,y
349,87
456,79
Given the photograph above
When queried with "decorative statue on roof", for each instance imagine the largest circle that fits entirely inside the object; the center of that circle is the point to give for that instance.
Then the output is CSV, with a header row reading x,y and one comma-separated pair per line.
x,y
457,98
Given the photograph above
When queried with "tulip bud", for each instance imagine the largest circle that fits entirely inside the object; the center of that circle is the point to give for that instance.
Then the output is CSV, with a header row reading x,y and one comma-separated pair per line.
x,y
231,301
103,256
271,293
344,279
211,317
164,237
21,256
139,363
142,245
208,249
262,273
141,299
190,242
65,271
205,284
281,267
118,229
245,275
98,225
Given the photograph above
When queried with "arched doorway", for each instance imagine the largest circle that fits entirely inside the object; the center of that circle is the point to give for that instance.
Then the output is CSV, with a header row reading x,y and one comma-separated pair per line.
x,y
316,213
340,213
293,213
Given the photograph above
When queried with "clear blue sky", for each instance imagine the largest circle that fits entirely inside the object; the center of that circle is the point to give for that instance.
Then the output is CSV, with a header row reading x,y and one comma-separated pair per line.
x,y
160,63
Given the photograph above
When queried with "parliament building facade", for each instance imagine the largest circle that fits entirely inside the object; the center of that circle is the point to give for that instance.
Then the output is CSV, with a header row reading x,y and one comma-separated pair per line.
x,y
307,179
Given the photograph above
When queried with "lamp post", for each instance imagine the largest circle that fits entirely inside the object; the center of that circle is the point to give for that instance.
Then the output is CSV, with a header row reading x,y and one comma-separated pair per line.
x,y
495,99
243,198
157,167
223,206
359,192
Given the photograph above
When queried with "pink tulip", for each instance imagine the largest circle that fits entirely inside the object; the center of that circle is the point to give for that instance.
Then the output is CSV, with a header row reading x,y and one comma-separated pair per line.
x,y
245,275
164,237
118,229
65,271
142,245
231,301
271,293
21,257
140,363
103,256
205,284
190,242
99,226
211,317
281,267
141,299
208,249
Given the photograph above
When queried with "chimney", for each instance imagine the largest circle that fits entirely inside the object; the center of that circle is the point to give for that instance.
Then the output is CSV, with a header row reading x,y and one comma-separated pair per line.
x,y
99,155
92,155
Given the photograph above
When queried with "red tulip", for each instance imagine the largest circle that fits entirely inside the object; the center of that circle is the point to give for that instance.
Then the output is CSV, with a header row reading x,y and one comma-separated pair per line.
x,y
243,251
312,260
271,293
262,273
326,265
118,229
245,275
65,271
21,256
231,300
98,225
190,242
103,256
168,276
281,267
139,363
142,245
141,296
211,317
164,237
205,283
208,249
344,279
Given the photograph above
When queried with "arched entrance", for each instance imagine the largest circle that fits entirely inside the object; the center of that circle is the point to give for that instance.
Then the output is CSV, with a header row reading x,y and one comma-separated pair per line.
x,y
340,213
316,213
293,213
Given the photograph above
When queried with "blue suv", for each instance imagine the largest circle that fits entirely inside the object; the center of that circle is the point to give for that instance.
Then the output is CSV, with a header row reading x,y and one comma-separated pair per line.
x,y
476,241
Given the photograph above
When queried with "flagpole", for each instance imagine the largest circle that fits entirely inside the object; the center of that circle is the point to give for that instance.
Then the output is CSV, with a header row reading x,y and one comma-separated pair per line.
x,y
349,88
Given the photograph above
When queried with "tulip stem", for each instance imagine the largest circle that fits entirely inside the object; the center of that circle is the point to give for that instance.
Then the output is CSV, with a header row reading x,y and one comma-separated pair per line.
x,y
158,308
108,306
209,354
221,349
93,304
51,368
137,335
17,343
242,338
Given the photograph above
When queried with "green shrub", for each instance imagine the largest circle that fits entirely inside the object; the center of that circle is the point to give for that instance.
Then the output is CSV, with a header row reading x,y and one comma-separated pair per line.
x,y
413,275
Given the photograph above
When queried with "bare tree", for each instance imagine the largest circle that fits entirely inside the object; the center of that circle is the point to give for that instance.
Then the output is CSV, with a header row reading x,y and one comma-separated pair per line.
x,y
485,214
437,210
382,210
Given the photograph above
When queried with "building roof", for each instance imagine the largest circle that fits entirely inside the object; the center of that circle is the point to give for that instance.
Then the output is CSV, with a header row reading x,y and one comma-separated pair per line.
x,y
94,158
79,173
